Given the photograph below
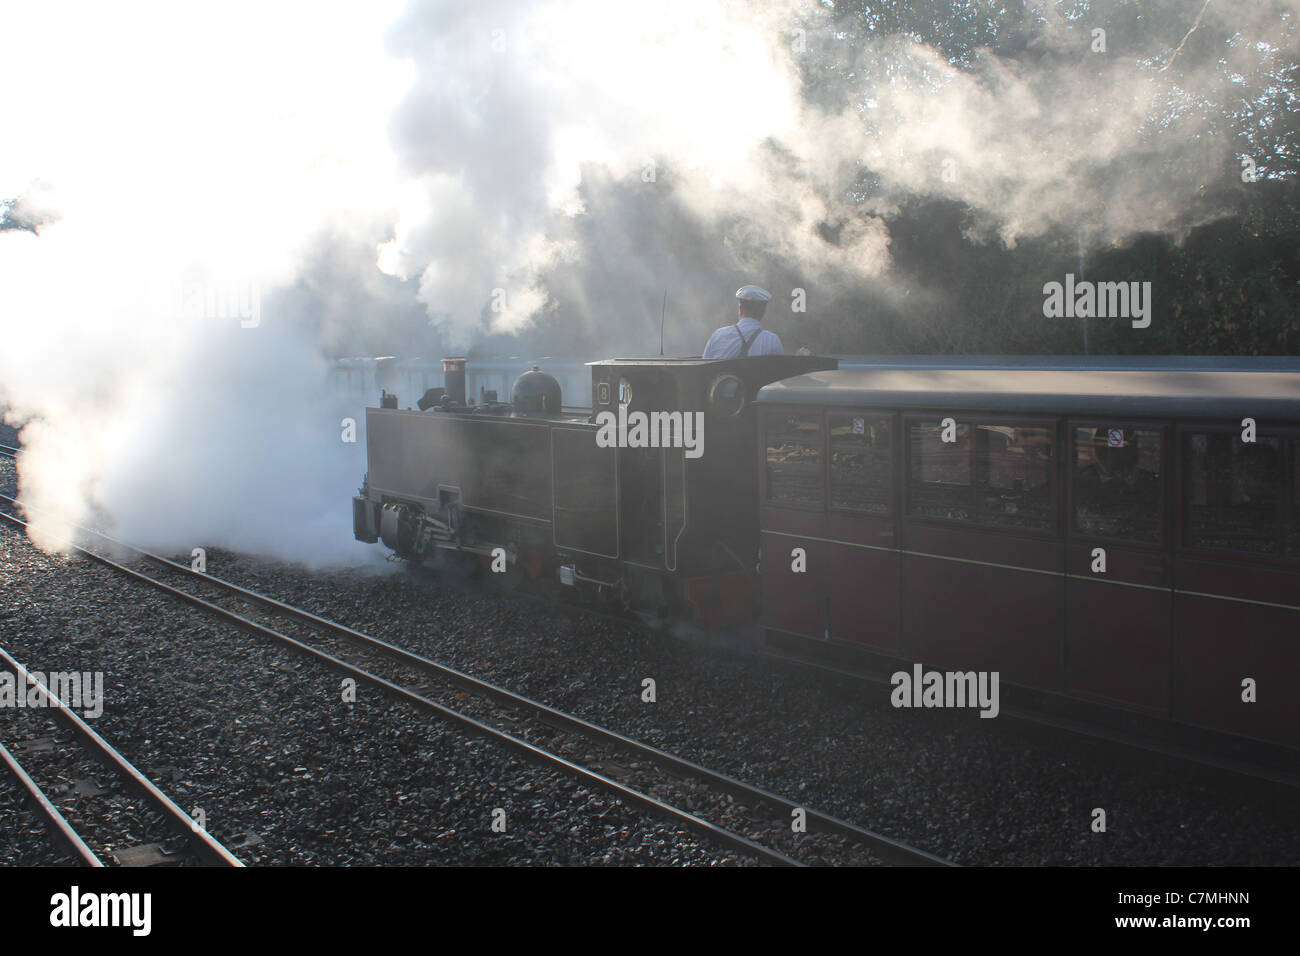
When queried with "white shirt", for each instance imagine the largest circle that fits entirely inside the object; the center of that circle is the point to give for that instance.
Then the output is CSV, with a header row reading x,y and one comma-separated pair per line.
x,y
725,343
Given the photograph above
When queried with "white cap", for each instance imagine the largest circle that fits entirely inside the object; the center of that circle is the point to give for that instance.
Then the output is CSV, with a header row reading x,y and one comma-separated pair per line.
x,y
752,293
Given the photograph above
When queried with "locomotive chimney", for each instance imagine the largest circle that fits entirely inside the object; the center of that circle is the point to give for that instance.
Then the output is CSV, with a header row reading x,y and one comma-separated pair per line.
x,y
453,374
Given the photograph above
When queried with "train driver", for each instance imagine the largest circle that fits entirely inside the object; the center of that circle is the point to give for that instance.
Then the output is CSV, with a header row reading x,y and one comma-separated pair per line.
x,y
747,336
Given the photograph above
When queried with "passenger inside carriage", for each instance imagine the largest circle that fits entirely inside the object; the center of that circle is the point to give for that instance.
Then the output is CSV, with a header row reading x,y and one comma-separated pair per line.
x,y
1117,483
1114,471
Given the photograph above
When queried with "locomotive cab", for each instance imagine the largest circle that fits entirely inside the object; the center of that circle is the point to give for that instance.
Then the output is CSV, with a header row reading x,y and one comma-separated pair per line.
x,y
684,511
691,511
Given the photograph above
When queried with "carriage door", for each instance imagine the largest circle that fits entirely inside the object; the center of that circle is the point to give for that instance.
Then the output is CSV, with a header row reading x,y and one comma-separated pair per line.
x,y
1119,597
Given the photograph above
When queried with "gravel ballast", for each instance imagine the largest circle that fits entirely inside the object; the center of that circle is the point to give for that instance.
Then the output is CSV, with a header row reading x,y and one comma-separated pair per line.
x,y
941,780
284,770
24,840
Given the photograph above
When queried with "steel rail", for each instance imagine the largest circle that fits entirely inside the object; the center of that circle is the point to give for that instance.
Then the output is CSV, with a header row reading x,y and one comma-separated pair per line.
x,y
204,845
55,821
528,751
892,851
1182,754
1253,770
888,849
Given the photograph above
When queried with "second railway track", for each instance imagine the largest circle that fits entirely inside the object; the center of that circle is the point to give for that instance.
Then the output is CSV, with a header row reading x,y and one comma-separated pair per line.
x,y
115,818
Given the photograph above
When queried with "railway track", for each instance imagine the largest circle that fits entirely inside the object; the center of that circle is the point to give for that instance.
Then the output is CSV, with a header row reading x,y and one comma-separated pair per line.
x,y
1049,726
757,822
63,758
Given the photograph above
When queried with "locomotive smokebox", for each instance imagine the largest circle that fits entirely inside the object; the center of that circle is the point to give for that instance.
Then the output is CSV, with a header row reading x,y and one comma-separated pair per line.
x,y
535,393
453,376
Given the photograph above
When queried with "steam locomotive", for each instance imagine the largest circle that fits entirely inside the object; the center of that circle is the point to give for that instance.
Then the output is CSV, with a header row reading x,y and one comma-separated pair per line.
x,y
1126,535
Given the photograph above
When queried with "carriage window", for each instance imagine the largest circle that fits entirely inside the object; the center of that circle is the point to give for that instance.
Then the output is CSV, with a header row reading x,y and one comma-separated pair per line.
x,y
860,463
1116,479
938,471
794,457
1230,491
1013,476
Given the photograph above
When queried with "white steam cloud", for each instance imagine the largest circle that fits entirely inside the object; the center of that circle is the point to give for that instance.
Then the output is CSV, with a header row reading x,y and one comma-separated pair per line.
x,y
520,108
191,155
515,103
179,163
